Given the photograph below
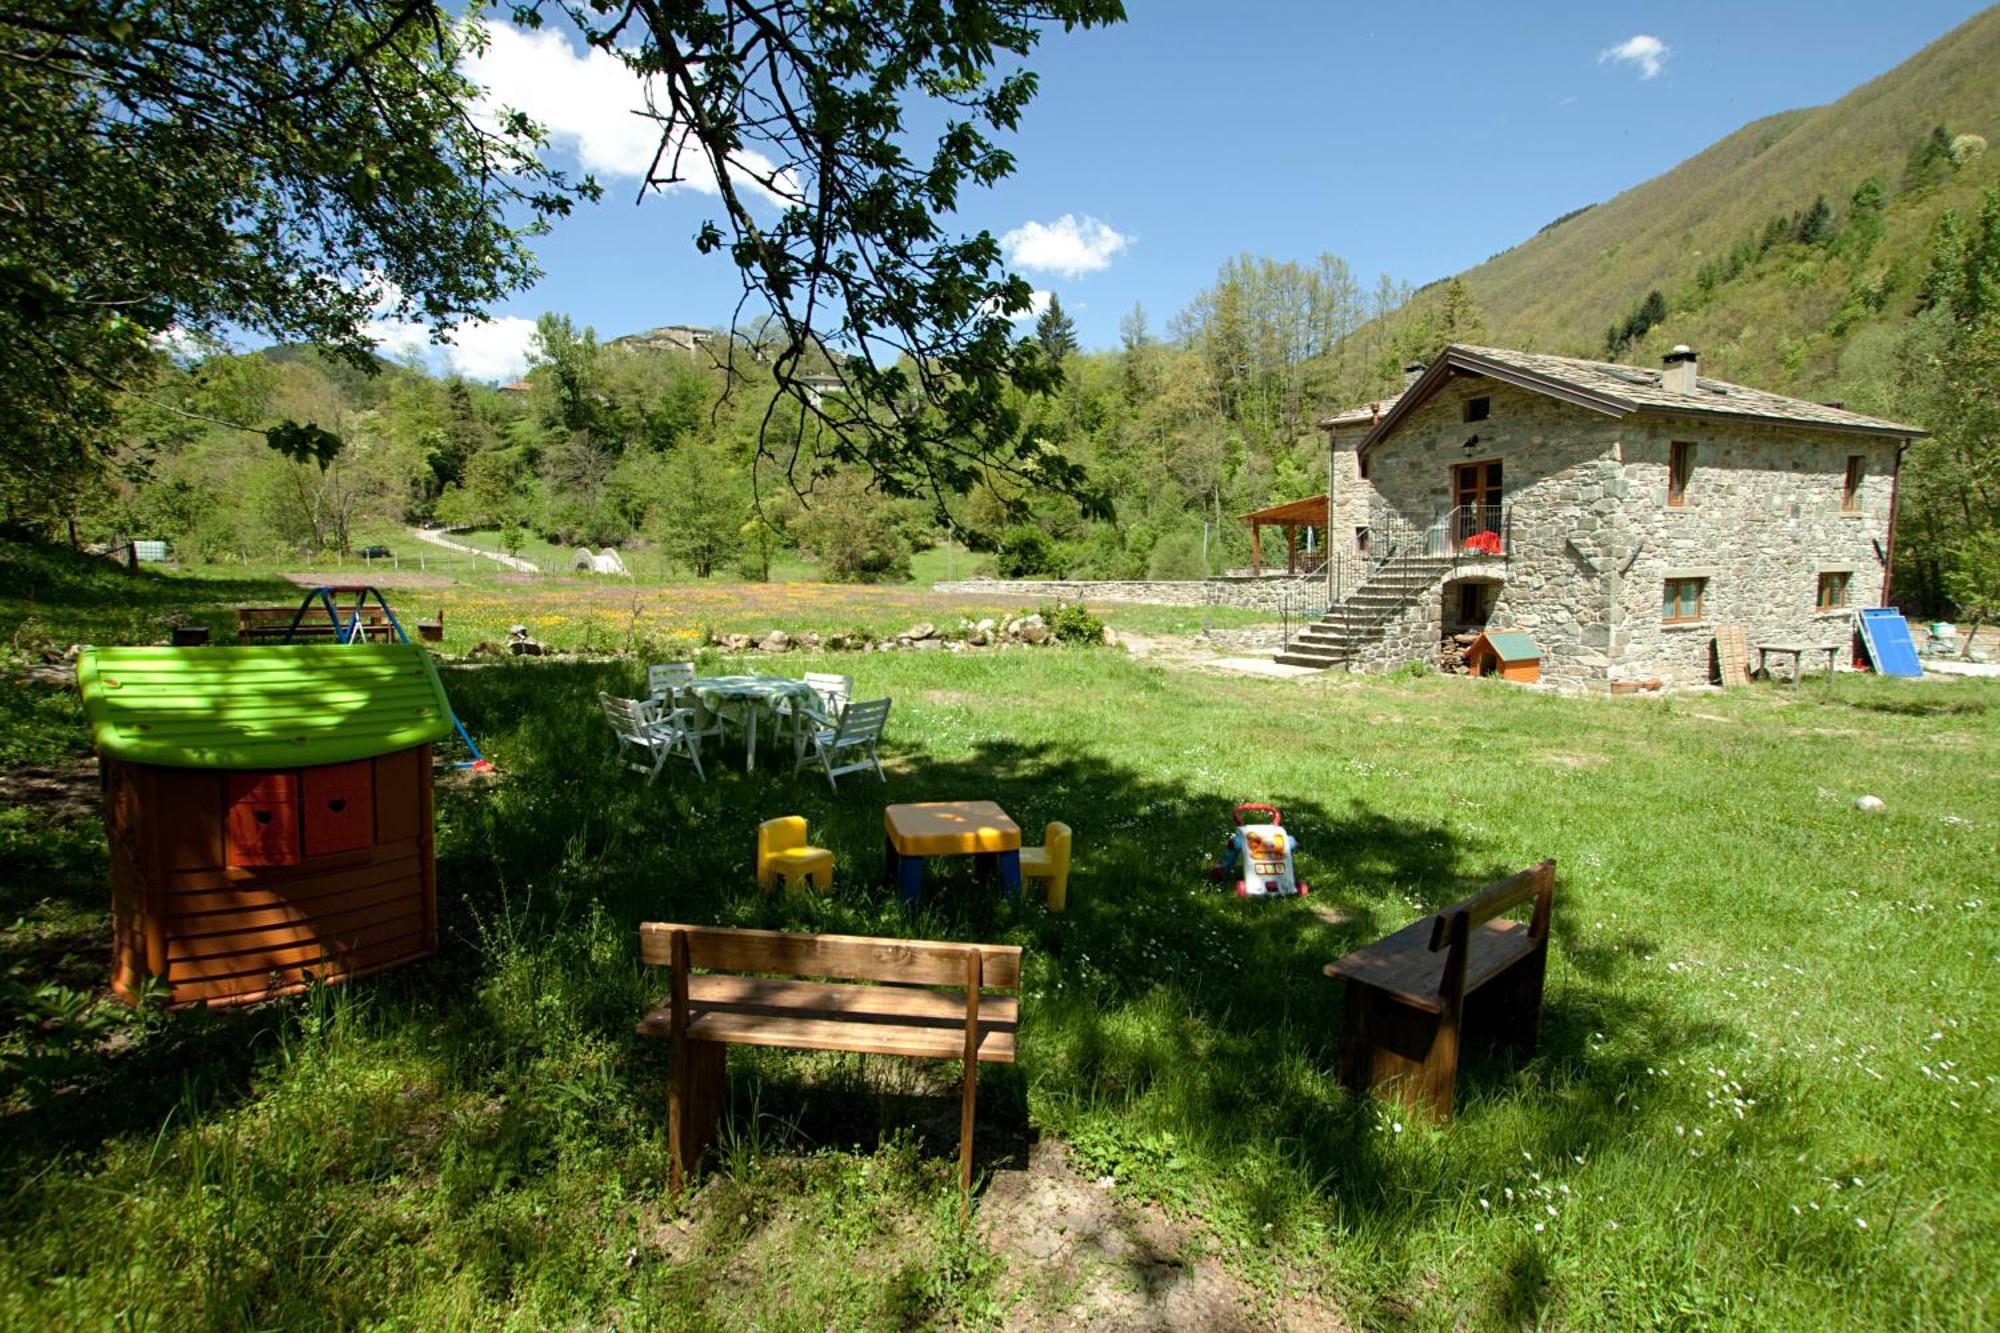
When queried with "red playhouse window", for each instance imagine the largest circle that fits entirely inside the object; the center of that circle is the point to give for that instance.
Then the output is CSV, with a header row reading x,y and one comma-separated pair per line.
x,y
339,808
263,819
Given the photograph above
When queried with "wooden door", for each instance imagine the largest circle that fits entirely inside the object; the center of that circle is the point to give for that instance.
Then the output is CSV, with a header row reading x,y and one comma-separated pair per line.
x,y
1475,489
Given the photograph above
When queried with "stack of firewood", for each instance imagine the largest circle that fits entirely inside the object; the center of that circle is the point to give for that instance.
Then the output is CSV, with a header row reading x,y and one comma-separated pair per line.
x,y
1451,654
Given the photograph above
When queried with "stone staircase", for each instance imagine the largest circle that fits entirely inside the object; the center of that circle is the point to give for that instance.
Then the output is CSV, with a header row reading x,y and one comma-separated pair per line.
x,y
1352,625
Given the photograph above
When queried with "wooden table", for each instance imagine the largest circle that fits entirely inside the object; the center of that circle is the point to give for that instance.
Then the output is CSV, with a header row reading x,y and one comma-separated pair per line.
x,y
913,833
1797,650
755,694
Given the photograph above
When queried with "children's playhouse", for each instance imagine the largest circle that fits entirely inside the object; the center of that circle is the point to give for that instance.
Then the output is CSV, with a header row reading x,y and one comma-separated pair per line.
x,y
269,813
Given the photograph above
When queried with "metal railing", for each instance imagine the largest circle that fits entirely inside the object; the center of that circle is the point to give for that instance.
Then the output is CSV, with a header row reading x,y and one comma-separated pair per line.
x,y
1395,566
1470,530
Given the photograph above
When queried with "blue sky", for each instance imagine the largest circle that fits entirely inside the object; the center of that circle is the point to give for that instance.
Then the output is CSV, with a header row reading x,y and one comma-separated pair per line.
x,y
1412,139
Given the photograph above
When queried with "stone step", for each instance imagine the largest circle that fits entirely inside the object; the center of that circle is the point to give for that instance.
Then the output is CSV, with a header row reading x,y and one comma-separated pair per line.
x,y
1297,659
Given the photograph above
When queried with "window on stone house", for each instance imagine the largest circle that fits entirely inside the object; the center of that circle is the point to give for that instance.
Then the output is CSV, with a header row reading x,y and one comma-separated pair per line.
x,y
1363,460
1833,589
1682,599
1476,409
1361,541
1680,469
1850,488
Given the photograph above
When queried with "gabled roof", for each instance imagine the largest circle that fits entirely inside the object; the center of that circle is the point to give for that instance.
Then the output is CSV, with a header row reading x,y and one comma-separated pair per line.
x,y
1367,414
271,706
1617,391
1509,645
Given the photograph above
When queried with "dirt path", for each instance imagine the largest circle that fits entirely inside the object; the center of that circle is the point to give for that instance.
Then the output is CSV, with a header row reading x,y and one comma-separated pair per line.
x,y
1194,653
1080,1257
439,539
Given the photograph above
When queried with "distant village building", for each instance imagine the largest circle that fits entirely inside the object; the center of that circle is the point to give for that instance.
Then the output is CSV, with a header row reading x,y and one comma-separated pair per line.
x,y
816,386
1616,515
684,338
518,386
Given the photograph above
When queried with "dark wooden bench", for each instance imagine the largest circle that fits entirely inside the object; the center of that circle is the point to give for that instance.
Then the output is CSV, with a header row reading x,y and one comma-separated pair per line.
x,y
272,624
1466,976
930,1001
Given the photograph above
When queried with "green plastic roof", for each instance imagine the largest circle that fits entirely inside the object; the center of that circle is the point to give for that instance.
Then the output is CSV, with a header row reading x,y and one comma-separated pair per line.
x,y
1513,646
271,706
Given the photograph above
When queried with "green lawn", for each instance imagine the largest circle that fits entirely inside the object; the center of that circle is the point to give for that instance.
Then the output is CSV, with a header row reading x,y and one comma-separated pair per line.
x,y
1765,1093
49,598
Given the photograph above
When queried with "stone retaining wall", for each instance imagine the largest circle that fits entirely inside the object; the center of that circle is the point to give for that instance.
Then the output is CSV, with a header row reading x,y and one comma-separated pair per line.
x,y
1264,593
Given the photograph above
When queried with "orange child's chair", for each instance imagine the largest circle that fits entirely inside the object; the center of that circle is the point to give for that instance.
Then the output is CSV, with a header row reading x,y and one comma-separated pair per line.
x,y
1050,861
782,853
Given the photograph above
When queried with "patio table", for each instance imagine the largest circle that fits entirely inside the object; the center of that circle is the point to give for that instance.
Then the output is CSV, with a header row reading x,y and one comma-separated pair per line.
x,y
752,695
1797,651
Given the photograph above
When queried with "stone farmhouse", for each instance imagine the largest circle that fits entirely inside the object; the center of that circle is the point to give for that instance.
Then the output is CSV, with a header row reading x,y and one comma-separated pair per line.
x,y
1617,515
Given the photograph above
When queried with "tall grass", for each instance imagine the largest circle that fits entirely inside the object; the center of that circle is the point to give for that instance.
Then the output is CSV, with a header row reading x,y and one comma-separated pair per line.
x,y
1764,1094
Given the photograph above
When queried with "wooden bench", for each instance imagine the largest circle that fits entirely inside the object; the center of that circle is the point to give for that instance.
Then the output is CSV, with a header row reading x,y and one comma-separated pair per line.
x,y
272,624
931,1003
1465,976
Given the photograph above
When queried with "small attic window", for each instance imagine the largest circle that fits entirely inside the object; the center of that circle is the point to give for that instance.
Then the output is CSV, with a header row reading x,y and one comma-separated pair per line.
x,y
1477,409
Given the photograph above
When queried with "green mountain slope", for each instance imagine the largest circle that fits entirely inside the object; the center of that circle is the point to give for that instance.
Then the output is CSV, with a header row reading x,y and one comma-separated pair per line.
x,y
1815,317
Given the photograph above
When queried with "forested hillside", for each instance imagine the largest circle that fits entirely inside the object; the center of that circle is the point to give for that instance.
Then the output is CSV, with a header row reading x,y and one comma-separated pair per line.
x,y
1790,253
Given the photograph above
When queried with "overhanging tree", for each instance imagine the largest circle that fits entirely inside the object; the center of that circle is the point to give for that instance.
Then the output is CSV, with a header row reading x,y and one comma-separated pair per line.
x,y
284,167
207,164
802,113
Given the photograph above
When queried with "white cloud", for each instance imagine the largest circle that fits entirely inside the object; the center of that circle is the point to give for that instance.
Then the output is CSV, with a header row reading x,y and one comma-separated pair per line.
x,y
592,105
1037,303
1070,245
491,349
1646,53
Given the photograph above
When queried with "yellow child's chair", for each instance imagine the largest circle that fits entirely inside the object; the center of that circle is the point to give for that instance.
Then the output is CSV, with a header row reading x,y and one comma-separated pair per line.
x,y
1050,861
782,853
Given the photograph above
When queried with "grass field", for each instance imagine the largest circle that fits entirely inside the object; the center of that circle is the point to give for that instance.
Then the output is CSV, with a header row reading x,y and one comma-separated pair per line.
x,y
46,601
1765,1094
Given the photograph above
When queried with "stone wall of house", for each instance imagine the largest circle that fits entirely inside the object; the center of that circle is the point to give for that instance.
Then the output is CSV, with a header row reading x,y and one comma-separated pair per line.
x,y
1263,593
1349,501
1760,522
1592,540
1559,481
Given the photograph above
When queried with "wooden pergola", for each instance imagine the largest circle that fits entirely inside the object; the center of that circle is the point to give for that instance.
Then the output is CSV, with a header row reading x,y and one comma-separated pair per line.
x,y
1291,516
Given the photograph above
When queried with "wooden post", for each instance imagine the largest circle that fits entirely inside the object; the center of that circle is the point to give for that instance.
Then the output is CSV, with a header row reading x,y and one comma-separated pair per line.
x,y
1440,1069
967,1097
1256,547
694,1098
1291,549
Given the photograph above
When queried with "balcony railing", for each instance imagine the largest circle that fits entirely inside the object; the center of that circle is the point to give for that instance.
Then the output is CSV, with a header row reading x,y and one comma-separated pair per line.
x,y
1471,530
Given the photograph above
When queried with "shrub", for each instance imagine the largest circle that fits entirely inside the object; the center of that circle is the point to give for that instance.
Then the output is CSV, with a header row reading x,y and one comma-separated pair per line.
x,y
1073,624
1177,556
1025,553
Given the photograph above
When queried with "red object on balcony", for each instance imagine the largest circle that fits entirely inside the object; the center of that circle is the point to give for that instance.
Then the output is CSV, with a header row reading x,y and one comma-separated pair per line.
x,y
1482,543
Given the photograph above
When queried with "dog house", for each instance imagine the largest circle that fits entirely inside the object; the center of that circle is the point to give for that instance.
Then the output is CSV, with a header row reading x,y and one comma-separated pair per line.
x,y
269,813
1508,654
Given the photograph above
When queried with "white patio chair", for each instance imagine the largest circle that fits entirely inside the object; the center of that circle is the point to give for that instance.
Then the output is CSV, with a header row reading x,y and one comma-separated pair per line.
x,y
798,717
835,691
859,728
671,685
668,679
647,737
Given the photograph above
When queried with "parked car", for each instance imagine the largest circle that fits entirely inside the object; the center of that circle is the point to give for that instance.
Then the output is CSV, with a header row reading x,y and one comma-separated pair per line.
x,y
375,553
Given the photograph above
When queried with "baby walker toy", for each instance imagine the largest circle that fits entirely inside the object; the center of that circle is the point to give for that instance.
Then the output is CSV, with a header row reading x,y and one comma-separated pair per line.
x,y
1260,857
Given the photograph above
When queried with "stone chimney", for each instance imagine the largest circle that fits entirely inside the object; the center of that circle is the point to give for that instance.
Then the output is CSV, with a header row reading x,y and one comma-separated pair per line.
x,y
1680,368
1413,372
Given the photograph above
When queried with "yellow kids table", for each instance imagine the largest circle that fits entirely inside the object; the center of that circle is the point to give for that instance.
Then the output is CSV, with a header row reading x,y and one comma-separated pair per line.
x,y
949,828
